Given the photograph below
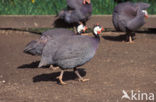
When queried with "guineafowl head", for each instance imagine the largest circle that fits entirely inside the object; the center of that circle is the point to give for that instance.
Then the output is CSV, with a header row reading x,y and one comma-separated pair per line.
x,y
142,13
81,29
97,29
145,13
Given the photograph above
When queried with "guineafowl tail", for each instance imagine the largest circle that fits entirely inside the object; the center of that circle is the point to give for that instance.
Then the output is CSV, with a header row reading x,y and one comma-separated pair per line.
x,y
34,47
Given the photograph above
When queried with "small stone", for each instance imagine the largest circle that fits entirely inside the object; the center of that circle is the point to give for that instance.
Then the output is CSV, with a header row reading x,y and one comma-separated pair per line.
x,y
36,24
3,81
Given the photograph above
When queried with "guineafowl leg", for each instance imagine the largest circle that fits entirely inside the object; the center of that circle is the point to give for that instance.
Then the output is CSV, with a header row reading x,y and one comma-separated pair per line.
x,y
60,78
78,74
130,40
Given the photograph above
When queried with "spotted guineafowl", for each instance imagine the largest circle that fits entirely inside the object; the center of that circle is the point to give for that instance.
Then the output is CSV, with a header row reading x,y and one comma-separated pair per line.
x,y
128,17
72,52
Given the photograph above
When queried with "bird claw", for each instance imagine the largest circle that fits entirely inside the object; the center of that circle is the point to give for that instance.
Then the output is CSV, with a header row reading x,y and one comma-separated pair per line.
x,y
53,68
130,42
61,81
83,80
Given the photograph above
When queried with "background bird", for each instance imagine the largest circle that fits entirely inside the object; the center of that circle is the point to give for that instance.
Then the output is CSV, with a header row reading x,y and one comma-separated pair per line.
x,y
76,4
77,11
128,17
71,52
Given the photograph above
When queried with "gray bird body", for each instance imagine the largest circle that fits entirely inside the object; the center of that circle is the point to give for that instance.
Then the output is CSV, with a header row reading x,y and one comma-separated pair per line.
x,y
76,11
58,32
72,52
128,16
74,4
35,47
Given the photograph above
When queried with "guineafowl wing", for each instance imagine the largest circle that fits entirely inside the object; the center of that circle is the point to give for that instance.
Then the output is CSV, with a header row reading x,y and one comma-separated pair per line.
x,y
75,52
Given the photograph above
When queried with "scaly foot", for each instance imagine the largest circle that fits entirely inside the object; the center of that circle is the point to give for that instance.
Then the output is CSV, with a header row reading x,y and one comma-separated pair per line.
x,y
60,78
53,68
79,76
83,80
61,81
130,42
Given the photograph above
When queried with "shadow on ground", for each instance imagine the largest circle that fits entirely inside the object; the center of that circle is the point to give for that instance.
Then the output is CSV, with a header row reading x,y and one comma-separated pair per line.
x,y
23,30
59,23
115,38
68,75
148,31
30,65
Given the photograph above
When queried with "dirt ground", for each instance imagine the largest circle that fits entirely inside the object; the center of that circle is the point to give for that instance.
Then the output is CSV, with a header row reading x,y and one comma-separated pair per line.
x,y
117,66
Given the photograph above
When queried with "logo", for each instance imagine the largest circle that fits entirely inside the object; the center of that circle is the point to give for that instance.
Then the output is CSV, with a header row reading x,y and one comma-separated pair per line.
x,y
140,96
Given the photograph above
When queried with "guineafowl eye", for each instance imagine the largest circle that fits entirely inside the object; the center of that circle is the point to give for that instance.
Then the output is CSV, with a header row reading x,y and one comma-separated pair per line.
x,y
81,28
145,12
98,29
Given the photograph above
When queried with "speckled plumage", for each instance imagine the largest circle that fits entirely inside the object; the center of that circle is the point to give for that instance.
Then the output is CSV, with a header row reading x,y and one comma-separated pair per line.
x,y
128,16
72,52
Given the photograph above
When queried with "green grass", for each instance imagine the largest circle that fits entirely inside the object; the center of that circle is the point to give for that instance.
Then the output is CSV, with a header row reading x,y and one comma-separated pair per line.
x,y
52,7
